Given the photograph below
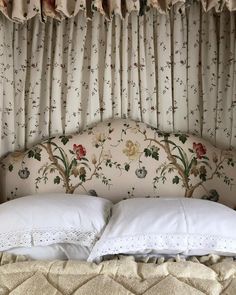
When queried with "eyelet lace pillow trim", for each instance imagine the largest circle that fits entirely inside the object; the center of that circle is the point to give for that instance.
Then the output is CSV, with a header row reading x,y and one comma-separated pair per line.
x,y
44,237
177,242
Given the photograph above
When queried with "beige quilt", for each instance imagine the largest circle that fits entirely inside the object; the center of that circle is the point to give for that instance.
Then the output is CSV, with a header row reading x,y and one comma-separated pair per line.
x,y
123,276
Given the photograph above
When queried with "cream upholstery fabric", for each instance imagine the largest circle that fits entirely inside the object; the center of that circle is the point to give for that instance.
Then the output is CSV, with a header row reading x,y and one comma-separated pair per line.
x,y
121,159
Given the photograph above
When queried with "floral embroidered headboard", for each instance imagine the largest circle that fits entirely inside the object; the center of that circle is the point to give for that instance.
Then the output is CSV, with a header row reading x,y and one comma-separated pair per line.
x,y
122,159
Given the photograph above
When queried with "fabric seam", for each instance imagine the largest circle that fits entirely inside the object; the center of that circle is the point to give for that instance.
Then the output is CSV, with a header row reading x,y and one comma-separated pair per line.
x,y
186,222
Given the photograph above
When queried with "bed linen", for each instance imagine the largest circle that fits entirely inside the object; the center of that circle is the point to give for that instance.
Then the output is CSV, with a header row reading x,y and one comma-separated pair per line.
x,y
121,275
53,226
167,226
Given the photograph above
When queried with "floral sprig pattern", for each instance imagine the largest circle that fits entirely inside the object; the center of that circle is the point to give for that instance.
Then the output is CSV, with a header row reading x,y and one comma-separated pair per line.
x,y
125,155
199,149
179,163
78,165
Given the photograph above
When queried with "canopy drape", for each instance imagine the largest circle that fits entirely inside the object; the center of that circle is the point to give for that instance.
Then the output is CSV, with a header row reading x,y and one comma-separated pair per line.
x,y
175,71
22,10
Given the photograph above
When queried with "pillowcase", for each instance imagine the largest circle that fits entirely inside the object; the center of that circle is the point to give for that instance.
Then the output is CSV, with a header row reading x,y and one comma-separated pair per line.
x,y
168,226
53,219
64,251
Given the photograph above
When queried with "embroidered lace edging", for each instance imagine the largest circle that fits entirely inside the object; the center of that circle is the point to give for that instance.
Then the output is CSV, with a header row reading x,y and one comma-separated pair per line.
x,y
46,237
183,243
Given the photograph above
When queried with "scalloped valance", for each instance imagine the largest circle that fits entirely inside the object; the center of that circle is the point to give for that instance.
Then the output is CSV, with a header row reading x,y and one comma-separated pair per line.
x,y
23,10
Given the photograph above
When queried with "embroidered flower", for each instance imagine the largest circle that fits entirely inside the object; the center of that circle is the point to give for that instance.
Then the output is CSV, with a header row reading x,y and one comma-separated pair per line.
x,y
141,172
79,172
79,150
202,170
227,154
24,173
199,149
98,139
75,171
214,157
94,159
106,155
194,171
82,171
82,174
131,150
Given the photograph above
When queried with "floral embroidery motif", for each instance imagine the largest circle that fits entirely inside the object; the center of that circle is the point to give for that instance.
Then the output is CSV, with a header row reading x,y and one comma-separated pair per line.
x,y
130,150
179,162
199,149
24,173
141,172
78,166
80,151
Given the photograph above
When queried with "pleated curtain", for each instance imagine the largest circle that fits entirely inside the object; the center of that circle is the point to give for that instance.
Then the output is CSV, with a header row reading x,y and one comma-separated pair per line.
x,y
175,71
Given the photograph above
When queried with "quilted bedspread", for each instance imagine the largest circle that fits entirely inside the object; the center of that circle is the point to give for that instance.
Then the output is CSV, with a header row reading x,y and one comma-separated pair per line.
x,y
123,276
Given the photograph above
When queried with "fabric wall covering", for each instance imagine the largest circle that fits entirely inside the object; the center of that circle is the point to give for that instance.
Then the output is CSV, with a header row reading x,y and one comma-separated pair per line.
x,y
175,71
22,10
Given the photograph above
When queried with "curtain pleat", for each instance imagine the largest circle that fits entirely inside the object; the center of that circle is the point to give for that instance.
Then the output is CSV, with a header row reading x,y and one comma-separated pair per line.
x,y
179,65
96,71
117,73
218,76
175,71
233,88
17,58
209,61
226,60
134,68
124,71
75,59
9,126
147,72
164,77
194,94
108,77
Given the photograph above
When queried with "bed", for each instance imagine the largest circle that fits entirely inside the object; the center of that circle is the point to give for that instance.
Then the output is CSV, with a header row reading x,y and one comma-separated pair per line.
x,y
212,275
123,169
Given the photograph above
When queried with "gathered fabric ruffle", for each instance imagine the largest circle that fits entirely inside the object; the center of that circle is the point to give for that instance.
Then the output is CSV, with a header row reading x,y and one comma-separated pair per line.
x,y
23,10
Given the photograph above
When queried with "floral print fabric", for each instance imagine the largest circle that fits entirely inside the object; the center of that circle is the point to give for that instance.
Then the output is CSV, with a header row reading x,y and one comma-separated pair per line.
x,y
174,71
122,159
22,10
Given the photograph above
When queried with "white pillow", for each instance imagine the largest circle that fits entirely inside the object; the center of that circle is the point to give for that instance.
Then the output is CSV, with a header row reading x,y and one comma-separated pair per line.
x,y
168,226
48,219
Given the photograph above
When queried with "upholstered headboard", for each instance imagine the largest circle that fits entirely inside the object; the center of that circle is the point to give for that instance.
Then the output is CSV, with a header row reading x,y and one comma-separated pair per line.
x,y
122,159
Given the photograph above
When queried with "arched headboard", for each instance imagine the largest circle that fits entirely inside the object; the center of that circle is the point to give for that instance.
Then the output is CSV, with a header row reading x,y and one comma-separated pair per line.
x,y
122,159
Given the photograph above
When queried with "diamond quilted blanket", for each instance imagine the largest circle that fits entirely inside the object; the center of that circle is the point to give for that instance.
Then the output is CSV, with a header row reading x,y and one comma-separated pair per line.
x,y
122,275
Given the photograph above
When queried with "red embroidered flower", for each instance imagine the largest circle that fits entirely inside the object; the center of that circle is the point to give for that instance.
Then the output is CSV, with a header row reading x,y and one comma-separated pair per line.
x,y
79,150
199,149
